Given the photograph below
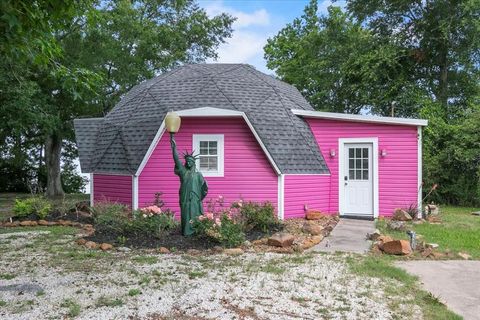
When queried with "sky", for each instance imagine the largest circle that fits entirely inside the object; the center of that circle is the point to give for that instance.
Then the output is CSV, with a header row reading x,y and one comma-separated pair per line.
x,y
256,22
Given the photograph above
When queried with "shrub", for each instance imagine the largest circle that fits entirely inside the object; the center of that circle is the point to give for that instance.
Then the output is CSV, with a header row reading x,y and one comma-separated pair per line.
x,y
34,205
152,220
258,216
222,228
111,217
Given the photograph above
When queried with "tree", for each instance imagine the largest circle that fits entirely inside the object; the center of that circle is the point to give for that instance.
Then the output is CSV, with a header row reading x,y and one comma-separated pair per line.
x,y
105,50
339,65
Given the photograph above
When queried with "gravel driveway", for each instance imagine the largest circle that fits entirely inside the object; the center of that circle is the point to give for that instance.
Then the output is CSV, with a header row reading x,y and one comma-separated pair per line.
x,y
46,276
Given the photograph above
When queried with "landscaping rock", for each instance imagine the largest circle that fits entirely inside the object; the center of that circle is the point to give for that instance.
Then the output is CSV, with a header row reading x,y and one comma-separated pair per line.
x,y
65,222
28,223
432,245
312,241
420,221
427,252
193,252
397,225
312,228
314,215
247,244
397,247
124,249
464,256
374,235
217,249
81,241
52,223
401,215
260,242
432,209
281,240
106,246
91,245
434,219
383,239
163,250
476,213
42,222
233,251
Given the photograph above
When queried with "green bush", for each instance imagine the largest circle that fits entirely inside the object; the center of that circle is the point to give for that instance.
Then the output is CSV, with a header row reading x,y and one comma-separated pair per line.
x,y
259,216
156,224
231,233
111,217
34,205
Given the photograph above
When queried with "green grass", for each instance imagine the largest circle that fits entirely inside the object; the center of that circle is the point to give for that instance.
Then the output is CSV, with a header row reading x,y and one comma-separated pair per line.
x,y
134,292
7,276
458,232
145,259
399,283
109,302
73,307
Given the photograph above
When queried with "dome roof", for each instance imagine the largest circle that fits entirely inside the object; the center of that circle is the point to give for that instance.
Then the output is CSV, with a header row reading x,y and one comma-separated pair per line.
x,y
119,141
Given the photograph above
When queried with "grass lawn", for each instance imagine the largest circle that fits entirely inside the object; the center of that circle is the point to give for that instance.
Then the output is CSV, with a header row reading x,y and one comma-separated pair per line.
x,y
458,232
8,199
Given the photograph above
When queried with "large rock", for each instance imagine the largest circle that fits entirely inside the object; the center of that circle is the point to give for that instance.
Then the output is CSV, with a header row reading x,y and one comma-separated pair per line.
x,y
163,250
397,225
432,209
374,235
397,247
312,228
314,215
106,246
28,223
383,239
233,251
91,245
281,240
401,215
42,223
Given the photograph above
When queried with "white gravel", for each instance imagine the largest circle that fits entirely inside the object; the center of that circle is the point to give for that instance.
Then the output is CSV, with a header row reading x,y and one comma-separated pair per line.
x,y
250,286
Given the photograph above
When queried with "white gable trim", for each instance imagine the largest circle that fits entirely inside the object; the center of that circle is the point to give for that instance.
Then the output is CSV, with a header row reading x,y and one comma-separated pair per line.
x,y
205,112
281,197
359,118
419,172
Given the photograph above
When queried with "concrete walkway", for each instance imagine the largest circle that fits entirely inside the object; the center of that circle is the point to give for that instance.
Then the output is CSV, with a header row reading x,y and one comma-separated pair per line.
x,y
455,283
348,236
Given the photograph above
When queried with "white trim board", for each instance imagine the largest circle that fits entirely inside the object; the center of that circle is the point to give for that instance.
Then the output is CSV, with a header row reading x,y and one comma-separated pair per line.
x,y
281,197
134,192
341,168
359,118
419,170
91,190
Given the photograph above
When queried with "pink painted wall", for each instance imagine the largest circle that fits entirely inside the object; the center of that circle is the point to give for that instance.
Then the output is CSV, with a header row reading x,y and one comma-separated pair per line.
x,y
247,171
114,188
398,184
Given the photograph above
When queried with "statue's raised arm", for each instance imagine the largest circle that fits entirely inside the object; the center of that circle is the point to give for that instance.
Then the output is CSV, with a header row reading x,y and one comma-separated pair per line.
x,y
178,164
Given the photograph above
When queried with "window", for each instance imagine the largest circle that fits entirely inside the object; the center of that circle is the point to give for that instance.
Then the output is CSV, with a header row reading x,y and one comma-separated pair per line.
x,y
358,163
209,148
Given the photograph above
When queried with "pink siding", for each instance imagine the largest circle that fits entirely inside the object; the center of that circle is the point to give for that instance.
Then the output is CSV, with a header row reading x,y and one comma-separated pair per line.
x,y
247,171
398,184
115,188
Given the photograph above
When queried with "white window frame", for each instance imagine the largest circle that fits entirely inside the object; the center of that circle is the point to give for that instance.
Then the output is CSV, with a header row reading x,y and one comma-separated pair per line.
x,y
220,139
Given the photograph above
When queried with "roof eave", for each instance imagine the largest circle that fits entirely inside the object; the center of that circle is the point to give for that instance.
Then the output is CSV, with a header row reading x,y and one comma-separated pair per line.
x,y
360,118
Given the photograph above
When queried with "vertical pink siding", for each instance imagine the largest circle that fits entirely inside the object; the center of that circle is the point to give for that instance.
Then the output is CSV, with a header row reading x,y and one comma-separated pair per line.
x,y
398,184
115,188
247,171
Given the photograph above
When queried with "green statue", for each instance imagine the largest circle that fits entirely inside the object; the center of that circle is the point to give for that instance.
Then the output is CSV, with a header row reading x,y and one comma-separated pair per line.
x,y
193,188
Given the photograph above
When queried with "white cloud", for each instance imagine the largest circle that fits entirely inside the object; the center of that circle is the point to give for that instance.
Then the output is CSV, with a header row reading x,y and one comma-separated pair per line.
x,y
242,47
244,19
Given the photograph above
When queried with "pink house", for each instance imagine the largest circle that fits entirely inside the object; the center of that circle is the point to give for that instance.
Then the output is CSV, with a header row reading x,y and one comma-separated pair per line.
x,y
257,139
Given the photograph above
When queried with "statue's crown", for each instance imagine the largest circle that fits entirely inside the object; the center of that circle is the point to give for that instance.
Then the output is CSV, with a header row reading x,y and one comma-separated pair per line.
x,y
187,155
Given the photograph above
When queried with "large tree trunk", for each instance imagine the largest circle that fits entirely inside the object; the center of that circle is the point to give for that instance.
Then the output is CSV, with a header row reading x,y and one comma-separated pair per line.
x,y
53,151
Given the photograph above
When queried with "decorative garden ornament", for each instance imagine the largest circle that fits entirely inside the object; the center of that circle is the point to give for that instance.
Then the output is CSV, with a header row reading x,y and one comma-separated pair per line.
x,y
193,187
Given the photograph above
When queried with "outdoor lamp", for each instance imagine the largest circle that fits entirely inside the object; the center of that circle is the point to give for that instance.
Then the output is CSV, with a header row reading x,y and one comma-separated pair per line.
x,y
332,153
172,122
383,153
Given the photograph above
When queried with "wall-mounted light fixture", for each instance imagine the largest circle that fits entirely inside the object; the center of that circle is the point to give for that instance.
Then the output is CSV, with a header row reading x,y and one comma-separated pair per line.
x,y
332,153
383,153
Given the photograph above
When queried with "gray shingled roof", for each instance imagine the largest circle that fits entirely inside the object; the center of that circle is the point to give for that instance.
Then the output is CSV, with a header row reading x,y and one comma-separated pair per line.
x,y
118,142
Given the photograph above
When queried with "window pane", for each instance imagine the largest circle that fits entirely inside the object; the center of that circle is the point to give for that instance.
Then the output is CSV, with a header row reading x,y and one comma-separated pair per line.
x,y
203,163
365,174
351,152
203,150
351,163
358,164
203,144
358,152
213,162
365,152
212,144
213,150
351,174
358,174
365,163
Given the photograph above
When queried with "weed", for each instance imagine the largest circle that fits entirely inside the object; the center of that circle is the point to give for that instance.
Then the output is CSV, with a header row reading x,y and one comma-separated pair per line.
x,y
73,307
134,292
145,259
109,302
7,276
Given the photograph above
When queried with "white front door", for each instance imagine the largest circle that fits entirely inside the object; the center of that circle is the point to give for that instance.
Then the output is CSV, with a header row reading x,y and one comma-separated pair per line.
x,y
358,179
